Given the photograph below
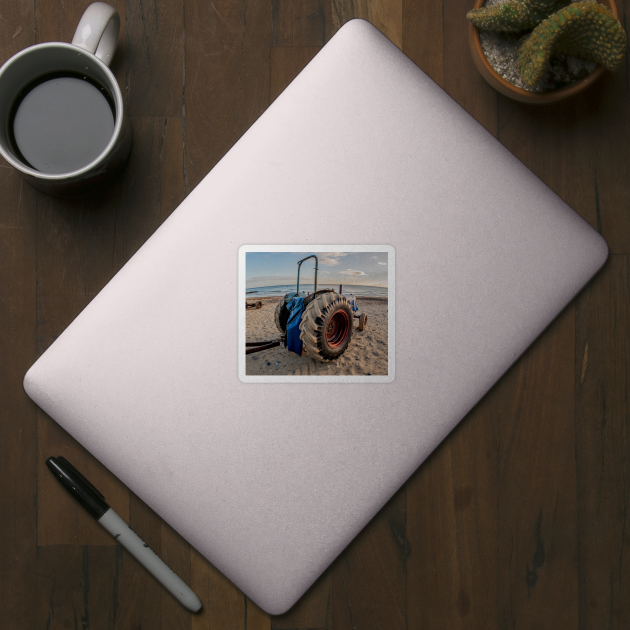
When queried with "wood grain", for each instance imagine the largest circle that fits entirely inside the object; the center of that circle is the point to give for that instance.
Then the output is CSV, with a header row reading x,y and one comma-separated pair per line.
x,y
452,517
602,380
18,416
151,187
226,78
386,15
76,587
422,36
154,57
609,134
369,577
537,510
462,81
224,606
300,23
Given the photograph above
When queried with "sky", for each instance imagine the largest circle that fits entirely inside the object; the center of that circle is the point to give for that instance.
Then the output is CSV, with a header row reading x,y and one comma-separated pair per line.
x,y
266,269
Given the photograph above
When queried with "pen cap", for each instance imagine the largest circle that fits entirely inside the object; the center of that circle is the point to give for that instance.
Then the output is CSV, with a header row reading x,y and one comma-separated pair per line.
x,y
78,486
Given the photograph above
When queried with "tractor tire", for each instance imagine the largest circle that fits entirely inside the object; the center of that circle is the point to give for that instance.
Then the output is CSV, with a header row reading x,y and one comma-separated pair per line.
x,y
362,321
281,316
326,327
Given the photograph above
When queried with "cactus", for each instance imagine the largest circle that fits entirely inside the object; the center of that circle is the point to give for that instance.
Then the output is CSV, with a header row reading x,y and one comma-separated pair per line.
x,y
513,16
584,29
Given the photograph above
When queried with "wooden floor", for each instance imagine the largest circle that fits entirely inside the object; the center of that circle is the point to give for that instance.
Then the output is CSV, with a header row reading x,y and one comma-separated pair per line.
x,y
518,520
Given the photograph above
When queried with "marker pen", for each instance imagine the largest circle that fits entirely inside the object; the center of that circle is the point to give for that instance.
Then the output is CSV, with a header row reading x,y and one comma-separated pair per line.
x,y
94,502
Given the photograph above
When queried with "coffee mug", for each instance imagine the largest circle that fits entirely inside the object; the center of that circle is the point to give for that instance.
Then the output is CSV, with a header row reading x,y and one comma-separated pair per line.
x,y
62,114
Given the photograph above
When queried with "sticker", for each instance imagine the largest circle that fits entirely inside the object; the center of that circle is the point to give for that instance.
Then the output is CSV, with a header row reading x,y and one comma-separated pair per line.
x,y
316,313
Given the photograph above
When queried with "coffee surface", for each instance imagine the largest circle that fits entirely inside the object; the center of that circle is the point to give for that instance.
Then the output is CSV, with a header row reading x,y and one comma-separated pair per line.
x,y
62,124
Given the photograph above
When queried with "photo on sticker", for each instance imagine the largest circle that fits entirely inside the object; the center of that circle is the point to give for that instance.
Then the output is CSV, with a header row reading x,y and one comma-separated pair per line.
x,y
316,313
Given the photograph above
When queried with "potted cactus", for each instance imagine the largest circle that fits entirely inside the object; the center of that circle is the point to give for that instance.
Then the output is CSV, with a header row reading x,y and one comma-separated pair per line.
x,y
557,49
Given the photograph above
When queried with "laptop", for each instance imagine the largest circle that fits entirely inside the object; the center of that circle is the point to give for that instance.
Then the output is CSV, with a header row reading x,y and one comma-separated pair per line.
x,y
366,164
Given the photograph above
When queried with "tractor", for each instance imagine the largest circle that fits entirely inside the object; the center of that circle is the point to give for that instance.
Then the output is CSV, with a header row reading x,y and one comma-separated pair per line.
x,y
320,323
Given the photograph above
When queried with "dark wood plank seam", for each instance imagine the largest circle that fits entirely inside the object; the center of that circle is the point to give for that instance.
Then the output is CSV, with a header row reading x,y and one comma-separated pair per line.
x,y
184,96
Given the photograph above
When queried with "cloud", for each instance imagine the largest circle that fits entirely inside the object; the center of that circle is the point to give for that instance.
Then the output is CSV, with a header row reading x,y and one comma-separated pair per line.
x,y
330,258
382,263
352,272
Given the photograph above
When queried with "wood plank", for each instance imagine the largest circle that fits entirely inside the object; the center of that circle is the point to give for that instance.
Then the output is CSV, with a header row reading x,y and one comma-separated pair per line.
x,y
154,57
74,248
18,416
558,147
608,127
537,537
255,617
300,23
603,468
312,610
18,421
285,64
386,15
369,577
76,587
152,185
226,78
224,606
17,28
461,78
171,159
422,36
564,147
452,526
57,23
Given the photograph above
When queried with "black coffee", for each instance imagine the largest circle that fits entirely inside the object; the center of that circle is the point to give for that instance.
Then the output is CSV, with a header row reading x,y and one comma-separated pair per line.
x,y
61,123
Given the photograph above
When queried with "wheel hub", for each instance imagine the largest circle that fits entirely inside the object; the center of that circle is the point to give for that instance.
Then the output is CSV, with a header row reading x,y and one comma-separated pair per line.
x,y
337,329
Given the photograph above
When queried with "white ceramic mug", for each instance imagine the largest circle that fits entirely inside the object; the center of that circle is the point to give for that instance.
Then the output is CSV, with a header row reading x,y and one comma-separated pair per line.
x,y
88,57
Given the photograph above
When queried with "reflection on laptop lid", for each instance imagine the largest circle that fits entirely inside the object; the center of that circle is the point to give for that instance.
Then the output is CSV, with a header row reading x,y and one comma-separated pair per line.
x,y
268,469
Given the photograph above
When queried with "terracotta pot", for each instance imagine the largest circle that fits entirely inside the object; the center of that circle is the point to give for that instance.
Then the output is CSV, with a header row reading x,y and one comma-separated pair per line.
x,y
518,94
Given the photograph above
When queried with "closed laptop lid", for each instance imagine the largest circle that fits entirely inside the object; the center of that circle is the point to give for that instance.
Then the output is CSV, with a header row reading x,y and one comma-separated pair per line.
x,y
271,480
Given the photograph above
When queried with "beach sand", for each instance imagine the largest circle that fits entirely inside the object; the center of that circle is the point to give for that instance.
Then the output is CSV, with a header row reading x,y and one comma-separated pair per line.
x,y
366,354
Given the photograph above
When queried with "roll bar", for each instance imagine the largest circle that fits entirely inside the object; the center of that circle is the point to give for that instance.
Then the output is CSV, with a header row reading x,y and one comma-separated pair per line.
x,y
300,266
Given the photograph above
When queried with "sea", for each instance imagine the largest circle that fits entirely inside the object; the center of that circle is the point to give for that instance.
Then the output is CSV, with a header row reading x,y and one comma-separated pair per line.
x,y
282,289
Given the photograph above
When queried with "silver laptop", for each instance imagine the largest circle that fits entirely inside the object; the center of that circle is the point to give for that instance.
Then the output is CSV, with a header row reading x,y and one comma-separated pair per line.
x,y
269,472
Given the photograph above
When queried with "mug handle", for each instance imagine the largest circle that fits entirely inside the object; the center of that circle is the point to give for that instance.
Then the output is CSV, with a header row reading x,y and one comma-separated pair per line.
x,y
98,30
